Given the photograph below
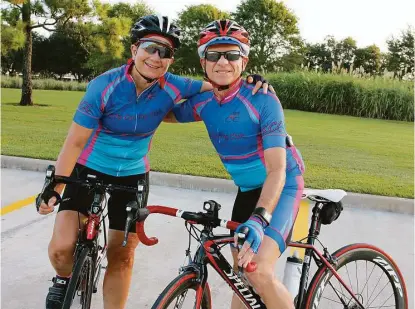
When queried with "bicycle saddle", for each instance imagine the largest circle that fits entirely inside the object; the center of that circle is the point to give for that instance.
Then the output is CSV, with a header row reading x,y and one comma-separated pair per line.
x,y
332,195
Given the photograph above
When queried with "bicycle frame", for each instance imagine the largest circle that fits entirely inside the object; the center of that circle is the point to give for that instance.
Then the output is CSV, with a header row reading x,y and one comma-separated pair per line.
x,y
89,233
209,253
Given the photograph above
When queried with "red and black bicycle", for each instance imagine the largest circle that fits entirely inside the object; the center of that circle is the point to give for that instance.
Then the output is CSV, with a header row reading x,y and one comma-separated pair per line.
x,y
357,276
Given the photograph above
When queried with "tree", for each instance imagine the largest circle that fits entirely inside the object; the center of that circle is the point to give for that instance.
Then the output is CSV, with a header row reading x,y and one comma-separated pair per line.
x,y
133,12
111,35
48,13
317,57
369,59
341,52
272,27
292,61
331,55
191,20
401,54
65,51
12,62
12,41
345,53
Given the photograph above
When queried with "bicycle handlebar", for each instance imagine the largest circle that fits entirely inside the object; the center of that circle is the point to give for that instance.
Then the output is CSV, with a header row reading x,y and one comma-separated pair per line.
x,y
91,182
193,217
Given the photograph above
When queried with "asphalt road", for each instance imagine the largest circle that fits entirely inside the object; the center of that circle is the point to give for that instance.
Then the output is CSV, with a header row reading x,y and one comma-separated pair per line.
x,y
26,272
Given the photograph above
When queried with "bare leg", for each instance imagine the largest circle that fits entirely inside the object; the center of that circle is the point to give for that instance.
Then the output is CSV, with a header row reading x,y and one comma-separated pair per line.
x,y
273,292
117,278
62,244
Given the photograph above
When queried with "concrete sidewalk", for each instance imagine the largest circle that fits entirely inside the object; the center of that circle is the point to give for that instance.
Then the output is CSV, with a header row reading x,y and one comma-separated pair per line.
x,y
354,200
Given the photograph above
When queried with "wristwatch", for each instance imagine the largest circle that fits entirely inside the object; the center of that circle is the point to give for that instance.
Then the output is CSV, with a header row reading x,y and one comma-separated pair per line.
x,y
263,214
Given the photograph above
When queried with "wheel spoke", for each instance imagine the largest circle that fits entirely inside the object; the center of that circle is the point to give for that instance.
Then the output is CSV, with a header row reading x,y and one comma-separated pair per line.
x,y
339,292
334,301
374,289
180,299
380,292
383,305
348,275
357,280
367,281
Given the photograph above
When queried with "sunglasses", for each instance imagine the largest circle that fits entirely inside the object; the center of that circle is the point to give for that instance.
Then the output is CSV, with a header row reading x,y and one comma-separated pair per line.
x,y
151,47
231,55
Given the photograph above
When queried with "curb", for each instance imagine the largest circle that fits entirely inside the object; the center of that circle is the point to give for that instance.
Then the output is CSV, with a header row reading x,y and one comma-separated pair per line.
x,y
352,200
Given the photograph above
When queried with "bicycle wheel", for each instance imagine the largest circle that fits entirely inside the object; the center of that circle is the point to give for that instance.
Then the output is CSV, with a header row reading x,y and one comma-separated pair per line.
x,y
371,274
80,286
175,295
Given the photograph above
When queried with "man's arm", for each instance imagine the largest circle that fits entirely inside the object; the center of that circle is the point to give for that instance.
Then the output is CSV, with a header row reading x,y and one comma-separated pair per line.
x,y
170,118
275,162
274,144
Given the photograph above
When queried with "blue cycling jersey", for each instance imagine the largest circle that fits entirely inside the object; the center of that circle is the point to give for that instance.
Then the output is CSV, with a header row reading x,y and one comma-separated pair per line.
x,y
241,127
123,123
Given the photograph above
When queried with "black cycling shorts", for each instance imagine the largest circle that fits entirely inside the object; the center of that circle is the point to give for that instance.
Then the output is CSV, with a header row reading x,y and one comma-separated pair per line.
x,y
80,198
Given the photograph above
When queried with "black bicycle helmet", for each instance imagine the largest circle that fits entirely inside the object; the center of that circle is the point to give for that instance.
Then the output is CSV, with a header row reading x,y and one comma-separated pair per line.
x,y
155,24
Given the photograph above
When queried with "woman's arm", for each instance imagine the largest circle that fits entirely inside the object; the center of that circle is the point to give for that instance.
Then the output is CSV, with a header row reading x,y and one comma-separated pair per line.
x,y
72,147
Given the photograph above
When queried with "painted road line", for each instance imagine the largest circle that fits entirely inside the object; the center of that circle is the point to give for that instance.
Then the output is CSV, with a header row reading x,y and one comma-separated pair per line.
x,y
17,205
301,226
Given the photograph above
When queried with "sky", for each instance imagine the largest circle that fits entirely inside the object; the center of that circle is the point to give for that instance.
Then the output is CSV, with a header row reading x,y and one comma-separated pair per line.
x,y
367,21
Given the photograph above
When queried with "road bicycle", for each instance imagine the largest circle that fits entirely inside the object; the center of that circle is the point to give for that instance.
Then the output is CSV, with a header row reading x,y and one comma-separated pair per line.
x,y
89,251
357,276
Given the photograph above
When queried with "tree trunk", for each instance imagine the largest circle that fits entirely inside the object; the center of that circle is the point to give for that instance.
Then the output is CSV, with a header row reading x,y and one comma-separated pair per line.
x,y
26,98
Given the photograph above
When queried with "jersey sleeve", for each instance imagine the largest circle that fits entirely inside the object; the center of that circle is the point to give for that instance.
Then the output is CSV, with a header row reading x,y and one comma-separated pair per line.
x,y
272,123
180,88
191,109
89,110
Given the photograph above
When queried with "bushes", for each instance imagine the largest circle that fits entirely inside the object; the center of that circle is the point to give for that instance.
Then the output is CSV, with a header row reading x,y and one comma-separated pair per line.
x,y
345,95
45,84
314,92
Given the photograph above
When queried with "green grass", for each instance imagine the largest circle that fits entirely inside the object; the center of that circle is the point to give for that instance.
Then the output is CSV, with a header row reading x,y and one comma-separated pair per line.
x,y
354,154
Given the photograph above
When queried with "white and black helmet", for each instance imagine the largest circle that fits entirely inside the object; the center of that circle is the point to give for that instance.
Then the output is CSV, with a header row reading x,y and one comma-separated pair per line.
x,y
155,24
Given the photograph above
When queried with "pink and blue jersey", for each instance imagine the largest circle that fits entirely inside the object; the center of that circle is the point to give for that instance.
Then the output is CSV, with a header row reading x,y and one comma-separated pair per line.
x,y
123,123
241,127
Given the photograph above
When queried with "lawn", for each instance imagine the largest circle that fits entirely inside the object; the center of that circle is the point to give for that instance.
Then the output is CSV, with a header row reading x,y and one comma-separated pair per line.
x,y
354,154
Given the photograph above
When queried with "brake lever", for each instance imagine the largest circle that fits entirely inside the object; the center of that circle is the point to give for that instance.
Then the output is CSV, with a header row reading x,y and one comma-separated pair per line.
x,y
131,209
48,188
141,192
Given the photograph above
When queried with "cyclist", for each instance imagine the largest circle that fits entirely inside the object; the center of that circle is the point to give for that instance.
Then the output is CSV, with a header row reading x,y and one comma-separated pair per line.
x,y
110,137
249,134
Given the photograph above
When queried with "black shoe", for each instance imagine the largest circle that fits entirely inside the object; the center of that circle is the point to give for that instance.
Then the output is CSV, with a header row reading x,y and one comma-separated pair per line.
x,y
56,296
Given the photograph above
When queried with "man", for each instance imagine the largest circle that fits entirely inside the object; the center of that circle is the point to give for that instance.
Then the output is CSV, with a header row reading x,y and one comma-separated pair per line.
x,y
248,132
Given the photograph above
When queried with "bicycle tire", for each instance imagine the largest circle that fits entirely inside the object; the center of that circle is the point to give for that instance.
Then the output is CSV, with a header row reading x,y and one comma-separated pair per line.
x,y
82,266
179,285
354,253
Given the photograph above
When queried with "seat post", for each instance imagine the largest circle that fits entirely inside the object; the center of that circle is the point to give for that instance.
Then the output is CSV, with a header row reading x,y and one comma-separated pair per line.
x,y
315,225
313,232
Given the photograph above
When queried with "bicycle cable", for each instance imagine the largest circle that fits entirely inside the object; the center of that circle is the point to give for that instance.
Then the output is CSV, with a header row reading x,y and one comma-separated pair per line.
x,y
105,206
